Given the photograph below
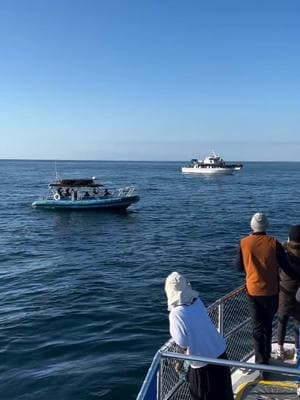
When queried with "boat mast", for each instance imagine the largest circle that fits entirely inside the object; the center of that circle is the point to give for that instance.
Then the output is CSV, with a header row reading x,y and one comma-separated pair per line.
x,y
56,173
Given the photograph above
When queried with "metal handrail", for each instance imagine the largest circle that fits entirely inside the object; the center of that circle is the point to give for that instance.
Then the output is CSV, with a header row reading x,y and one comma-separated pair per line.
x,y
230,363
149,377
226,297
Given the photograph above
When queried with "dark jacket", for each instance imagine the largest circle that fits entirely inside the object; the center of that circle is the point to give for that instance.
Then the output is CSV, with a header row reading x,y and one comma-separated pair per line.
x,y
288,304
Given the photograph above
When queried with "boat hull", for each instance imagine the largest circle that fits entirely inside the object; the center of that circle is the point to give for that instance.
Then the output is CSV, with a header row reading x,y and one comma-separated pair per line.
x,y
208,171
112,203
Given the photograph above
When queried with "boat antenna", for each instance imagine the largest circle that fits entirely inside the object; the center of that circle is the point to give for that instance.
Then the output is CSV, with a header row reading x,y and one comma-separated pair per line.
x,y
56,173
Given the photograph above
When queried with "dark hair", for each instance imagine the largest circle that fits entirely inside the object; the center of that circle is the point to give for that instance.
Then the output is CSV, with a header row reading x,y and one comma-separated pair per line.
x,y
294,233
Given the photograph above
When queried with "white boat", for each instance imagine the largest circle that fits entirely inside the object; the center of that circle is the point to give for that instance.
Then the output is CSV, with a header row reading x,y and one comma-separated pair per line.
x,y
85,194
231,316
212,164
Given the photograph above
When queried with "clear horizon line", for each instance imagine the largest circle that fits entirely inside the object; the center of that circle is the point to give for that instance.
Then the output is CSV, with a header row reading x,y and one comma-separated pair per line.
x,y
124,160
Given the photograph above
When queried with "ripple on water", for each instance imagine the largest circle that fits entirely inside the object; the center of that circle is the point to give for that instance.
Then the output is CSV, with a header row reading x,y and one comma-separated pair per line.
x,y
82,303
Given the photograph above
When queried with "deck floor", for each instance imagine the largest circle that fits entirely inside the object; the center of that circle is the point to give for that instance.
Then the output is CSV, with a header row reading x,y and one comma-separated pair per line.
x,y
250,385
268,390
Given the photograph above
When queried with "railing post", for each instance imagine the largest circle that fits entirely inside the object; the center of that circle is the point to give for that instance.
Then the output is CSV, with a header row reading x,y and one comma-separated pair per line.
x,y
159,380
221,317
151,384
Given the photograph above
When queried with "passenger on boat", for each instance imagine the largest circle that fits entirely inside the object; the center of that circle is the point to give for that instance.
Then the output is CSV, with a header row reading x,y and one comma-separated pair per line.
x,y
73,194
298,355
288,306
260,256
107,193
195,334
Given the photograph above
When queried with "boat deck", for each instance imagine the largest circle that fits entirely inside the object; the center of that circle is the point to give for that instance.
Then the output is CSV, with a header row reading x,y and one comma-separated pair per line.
x,y
247,385
268,390
251,385
258,390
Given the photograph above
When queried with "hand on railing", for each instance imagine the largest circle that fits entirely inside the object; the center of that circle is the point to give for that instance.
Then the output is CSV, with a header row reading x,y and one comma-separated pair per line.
x,y
178,366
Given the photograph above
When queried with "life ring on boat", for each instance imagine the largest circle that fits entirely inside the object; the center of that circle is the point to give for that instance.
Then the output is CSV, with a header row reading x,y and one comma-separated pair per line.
x,y
56,196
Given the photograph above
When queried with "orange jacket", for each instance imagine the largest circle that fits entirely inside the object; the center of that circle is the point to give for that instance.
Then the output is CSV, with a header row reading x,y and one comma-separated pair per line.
x,y
260,264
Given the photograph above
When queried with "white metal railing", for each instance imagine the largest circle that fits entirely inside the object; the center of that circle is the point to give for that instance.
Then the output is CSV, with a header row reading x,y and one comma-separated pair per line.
x,y
126,191
231,363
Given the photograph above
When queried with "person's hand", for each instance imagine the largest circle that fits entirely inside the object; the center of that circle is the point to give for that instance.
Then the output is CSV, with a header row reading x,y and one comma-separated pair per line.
x,y
178,366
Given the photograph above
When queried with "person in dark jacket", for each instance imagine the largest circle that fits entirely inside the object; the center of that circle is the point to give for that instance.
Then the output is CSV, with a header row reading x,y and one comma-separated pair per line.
x,y
260,257
288,305
296,246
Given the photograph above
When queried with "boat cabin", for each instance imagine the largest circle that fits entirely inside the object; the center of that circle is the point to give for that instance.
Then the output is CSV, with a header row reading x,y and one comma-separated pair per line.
x,y
77,189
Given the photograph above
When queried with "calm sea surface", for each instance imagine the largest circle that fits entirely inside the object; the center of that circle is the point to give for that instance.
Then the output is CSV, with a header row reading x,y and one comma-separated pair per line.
x,y
82,305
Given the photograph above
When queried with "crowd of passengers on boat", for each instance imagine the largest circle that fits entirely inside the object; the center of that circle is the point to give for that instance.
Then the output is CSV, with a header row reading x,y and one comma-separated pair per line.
x,y
75,194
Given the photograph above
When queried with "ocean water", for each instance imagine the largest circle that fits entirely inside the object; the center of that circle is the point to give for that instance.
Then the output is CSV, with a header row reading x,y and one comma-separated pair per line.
x,y
82,305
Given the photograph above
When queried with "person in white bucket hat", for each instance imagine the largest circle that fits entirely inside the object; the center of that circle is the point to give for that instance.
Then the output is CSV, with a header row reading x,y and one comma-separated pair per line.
x,y
195,334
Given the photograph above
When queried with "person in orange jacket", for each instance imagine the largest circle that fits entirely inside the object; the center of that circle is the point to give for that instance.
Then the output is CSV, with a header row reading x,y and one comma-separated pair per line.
x,y
260,257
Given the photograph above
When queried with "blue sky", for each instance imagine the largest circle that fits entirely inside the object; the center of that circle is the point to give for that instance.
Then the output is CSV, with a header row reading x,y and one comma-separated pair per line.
x,y
149,79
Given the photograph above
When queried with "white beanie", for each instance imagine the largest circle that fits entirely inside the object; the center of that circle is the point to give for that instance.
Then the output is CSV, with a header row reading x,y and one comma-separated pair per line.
x,y
259,222
179,290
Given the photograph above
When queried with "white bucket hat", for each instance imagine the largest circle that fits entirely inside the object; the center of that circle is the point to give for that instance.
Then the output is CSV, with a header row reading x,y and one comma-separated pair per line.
x,y
259,222
179,290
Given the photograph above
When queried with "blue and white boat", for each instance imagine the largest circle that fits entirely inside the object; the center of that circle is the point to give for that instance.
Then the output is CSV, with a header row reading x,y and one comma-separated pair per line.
x,y
231,316
82,194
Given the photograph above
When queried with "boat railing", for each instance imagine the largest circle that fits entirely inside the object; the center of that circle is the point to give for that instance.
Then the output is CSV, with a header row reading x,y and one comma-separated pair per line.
x,y
125,191
161,385
230,314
